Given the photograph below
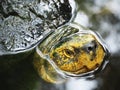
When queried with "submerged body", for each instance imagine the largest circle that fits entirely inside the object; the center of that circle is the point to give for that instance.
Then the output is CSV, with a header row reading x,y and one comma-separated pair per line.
x,y
67,52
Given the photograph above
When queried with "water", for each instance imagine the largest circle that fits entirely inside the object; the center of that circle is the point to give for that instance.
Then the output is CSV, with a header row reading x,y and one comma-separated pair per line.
x,y
102,16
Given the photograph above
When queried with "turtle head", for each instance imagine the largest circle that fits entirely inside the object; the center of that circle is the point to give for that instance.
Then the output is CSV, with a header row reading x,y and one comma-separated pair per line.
x,y
79,53
70,51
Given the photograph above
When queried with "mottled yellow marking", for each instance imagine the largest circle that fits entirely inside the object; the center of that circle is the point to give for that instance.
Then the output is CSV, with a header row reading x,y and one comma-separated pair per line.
x,y
76,63
71,56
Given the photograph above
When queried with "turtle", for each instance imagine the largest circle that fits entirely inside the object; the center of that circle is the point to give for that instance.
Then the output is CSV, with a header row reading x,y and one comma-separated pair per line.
x,y
72,51
61,48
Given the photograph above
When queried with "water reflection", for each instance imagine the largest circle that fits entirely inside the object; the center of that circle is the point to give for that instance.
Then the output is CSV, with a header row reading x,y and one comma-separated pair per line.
x,y
81,84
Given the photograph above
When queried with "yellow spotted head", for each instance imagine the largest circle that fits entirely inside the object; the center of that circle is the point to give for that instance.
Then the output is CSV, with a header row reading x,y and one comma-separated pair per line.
x,y
79,53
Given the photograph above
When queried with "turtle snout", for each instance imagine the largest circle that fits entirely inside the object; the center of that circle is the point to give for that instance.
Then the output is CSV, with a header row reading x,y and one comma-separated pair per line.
x,y
90,49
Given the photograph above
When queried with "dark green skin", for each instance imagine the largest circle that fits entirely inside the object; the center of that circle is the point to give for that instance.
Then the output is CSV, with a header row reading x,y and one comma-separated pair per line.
x,y
21,25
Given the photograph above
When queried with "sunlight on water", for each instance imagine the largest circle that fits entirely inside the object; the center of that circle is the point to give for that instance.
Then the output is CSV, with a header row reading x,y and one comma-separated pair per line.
x,y
111,40
82,19
113,6
81,84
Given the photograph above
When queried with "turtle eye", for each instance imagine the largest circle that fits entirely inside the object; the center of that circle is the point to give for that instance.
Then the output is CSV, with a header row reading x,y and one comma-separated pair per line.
x,y
68,53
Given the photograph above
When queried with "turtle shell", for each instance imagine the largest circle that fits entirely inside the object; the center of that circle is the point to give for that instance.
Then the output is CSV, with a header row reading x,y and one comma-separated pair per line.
x,y
25,23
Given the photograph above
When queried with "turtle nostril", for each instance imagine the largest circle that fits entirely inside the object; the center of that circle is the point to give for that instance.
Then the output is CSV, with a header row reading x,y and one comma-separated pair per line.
x,y
90,48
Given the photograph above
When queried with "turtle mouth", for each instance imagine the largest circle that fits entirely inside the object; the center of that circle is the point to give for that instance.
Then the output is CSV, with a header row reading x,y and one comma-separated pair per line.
x,y
76,67
77,58
85,69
